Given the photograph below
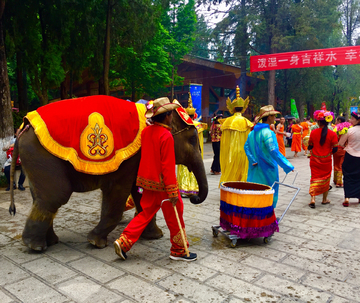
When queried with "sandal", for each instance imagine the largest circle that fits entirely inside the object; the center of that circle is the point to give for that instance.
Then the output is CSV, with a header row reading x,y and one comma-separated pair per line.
x,y
346,204
325,202
312,205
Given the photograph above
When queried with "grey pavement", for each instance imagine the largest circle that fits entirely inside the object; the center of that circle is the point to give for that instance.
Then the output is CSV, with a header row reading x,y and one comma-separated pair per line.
x,y
314,258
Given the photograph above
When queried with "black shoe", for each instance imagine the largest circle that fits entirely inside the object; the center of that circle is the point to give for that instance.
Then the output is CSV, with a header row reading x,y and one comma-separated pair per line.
x,y
20,187
9,187
119,251
191,257
330,187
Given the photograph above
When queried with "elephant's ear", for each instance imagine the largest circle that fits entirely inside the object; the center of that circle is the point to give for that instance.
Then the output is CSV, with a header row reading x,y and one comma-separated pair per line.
x,y
184,116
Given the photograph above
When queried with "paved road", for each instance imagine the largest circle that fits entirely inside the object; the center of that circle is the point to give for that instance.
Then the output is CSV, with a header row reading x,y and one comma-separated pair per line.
x,y
314,258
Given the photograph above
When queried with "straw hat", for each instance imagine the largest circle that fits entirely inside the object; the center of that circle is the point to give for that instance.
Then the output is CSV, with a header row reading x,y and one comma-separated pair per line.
x,y
159,106
265,111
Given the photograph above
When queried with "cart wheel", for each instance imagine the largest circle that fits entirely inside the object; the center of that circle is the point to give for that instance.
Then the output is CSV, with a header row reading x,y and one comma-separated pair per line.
x,y
215,232
233,243
267,239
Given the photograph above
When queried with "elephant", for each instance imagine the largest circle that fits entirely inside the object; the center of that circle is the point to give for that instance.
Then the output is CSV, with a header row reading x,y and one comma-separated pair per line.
x,y
52,180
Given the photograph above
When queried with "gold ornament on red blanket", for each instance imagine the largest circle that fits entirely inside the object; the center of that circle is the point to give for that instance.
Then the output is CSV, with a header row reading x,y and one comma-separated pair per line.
x,y
96,140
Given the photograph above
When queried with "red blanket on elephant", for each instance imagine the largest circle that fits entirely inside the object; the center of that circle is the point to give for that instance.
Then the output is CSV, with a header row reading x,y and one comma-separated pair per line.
x,y
96,133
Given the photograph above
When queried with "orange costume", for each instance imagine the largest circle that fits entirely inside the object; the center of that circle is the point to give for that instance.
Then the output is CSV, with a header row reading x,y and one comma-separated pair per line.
x,y
305,127
296,138
280,140
157,177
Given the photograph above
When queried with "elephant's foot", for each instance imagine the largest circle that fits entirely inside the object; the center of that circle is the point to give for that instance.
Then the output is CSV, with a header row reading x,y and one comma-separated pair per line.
x,y
34,243
152,231
35,234
51,237
97,240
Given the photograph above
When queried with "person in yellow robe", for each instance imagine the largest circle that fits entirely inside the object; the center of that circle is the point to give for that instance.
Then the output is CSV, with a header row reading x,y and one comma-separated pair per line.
x,y
235,130
187,182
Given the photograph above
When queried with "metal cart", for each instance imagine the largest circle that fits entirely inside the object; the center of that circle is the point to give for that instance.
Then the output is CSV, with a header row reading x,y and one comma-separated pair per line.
x,y
216,229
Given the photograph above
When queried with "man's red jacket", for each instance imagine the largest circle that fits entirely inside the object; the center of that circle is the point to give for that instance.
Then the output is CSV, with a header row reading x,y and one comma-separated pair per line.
x,y
157,164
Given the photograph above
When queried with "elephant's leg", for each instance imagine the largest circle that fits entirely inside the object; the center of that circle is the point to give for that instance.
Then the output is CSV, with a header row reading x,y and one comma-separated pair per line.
x,y
38,233
36,229
49,191
51,237
152,231
113,206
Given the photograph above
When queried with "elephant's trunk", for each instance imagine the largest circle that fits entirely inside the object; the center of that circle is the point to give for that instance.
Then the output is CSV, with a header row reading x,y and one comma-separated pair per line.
x,y
199,171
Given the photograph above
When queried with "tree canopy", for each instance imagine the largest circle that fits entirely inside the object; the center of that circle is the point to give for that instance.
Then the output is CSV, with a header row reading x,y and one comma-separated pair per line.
x,y
138,44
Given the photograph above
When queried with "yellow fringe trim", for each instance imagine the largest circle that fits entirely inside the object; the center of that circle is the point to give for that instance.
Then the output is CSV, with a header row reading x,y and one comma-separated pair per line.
x,y
70,154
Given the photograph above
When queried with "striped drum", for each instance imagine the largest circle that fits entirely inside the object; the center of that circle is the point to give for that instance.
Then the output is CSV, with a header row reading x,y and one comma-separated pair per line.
x,y
246,209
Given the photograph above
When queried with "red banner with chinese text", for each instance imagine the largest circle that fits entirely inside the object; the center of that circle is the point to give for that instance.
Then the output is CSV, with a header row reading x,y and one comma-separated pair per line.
x,y
308,58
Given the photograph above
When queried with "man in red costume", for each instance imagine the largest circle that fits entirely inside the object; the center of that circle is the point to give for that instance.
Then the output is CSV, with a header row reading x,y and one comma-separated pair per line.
x,y
157,177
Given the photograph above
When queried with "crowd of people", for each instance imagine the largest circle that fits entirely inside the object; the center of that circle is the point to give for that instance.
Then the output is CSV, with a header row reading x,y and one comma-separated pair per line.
x,y
333,149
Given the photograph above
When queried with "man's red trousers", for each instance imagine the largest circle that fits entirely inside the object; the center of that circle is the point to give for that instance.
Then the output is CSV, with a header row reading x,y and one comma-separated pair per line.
x,y
151,203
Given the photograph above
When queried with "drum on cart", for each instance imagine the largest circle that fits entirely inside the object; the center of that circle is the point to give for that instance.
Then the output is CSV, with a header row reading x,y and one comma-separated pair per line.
x,y
246,211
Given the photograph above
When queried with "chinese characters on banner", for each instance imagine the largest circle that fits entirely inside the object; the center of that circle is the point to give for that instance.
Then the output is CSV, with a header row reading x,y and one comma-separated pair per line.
x,y
308,58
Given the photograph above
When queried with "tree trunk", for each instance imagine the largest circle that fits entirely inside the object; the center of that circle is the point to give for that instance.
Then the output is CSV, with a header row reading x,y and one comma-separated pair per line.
x,y
271,88
172,86
43,98
133,91
285,93
71,84
301,109
63,90
21,83
6,121
107,51
101,86
243,49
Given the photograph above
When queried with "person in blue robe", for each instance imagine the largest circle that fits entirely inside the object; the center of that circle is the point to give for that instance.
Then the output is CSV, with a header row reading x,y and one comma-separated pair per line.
x,y
263,153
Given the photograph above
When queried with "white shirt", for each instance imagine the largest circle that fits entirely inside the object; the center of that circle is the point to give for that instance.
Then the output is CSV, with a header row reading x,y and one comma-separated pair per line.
x,y
353,139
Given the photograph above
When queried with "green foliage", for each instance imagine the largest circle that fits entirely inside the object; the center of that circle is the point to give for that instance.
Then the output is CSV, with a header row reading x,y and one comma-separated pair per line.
x,y
179,20
147,70
18,118
201,39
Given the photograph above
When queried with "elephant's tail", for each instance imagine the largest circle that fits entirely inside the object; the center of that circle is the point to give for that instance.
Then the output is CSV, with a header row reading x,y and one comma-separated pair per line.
x,y
12,208
15,155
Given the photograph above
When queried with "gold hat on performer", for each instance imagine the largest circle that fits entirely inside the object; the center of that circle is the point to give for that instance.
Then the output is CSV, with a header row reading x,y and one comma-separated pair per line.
x,y
237,102
159,106
265,111
190,109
